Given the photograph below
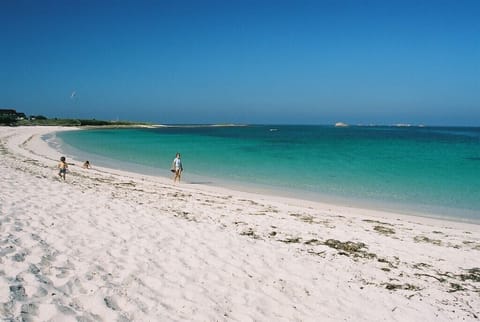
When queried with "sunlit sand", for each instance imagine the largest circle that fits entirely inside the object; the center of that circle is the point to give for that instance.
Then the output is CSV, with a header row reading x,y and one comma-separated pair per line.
x,y
110,245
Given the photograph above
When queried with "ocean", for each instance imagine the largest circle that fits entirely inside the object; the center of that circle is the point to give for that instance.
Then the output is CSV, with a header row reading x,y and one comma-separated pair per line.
x,y
432,171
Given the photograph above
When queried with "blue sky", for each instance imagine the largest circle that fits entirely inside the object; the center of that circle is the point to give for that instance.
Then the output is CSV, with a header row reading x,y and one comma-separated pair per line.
x,y
302,62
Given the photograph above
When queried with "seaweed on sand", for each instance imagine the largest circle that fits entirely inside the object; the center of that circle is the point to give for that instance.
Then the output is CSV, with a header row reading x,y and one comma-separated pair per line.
x,y
473,274
349,248
258,214
313,242
309,219
390,264
185,215
312,252
424,239
454,287
421,266
406,286
251,233
377,222
440,279
384,230
293,240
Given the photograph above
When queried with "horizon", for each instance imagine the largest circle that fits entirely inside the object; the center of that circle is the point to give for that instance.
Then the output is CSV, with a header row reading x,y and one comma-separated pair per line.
x,y
227,124
244,62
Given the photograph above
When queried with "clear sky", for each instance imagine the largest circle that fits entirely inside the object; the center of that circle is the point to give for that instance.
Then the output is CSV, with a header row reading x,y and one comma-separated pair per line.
x,y
302,62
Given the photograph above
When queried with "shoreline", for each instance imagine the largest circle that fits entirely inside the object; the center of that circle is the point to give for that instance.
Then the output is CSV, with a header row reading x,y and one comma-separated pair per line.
x,y
324,200
109,244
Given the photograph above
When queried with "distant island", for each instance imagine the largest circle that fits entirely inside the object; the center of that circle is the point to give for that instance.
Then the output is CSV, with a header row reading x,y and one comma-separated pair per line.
x,y
11,117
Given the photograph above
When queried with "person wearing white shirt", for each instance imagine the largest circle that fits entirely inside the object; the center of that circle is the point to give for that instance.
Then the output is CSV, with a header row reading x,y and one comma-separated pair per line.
x,y
177,167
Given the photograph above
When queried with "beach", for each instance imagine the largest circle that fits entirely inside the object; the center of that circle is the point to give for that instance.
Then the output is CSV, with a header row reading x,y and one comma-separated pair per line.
x,y
110,245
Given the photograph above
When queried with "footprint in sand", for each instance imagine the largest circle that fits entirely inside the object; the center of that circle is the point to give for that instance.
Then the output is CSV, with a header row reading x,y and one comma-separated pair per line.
x,y
7,250
20,257
28,311
17,292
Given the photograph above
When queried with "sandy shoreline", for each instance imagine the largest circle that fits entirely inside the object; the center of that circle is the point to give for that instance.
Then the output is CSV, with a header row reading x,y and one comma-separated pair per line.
x,y
111,245
271,193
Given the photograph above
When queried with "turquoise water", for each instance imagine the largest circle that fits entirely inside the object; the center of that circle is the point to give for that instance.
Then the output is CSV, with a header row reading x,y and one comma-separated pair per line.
x,y
417,169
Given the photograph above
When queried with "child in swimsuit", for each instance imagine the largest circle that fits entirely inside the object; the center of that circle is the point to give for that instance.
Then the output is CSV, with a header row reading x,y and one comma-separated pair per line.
x,y
63,167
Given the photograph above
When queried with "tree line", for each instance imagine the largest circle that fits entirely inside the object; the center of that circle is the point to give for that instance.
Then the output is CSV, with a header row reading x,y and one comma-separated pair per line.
x,y
11,117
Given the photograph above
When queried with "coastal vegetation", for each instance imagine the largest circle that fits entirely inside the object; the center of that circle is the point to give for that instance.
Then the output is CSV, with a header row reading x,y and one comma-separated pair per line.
x,y
11,117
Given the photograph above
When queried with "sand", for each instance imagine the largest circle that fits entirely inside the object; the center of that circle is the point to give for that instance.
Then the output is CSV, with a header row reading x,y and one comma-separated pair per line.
x,y
107,245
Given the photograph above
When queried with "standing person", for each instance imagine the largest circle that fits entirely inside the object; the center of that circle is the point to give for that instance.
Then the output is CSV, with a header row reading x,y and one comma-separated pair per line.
x,y
178,167
63,166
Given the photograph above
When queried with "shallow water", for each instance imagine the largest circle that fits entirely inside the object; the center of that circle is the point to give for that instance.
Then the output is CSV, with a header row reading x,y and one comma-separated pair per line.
x,y
430,170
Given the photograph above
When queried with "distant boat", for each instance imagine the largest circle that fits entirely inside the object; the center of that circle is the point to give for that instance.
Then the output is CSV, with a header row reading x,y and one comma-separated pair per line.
x,y
341,124
273,130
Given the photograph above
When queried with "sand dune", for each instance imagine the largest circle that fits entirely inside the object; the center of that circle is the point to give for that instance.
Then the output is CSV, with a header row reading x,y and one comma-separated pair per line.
x,y
107,245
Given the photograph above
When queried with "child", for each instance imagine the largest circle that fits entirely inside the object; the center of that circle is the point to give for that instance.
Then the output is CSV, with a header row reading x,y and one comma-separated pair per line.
x,y
63,167
86,165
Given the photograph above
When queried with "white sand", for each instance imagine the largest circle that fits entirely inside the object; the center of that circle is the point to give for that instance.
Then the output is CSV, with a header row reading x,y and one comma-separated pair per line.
x,y
106,245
